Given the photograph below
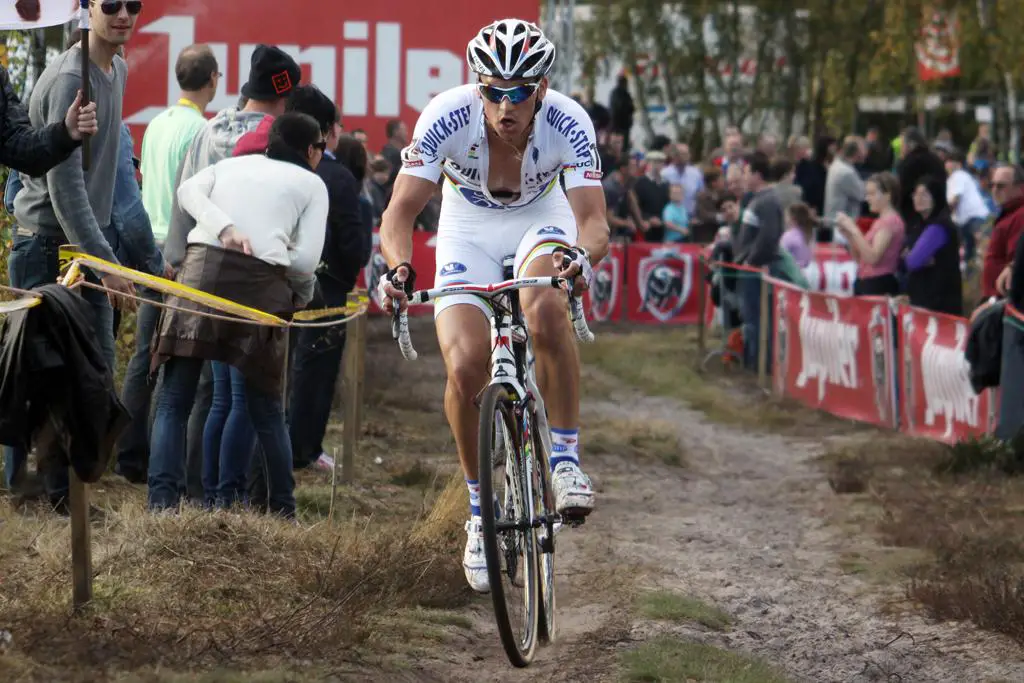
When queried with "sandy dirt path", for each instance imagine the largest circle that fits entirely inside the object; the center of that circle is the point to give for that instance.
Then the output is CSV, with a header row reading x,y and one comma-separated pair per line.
x,y
741,526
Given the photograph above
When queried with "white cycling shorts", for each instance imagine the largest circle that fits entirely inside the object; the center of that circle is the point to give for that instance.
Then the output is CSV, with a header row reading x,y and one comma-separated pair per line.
x,y
472,242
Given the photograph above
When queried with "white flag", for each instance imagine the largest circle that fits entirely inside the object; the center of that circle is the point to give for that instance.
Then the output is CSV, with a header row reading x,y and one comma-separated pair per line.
x,y
27,14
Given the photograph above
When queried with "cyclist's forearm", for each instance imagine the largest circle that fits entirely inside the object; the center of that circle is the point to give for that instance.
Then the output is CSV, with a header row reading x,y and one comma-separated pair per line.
x,y
396,230
593,236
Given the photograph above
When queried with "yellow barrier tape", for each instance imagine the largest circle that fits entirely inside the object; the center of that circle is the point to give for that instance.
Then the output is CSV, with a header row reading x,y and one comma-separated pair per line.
x,y
319,313
69,254
19,304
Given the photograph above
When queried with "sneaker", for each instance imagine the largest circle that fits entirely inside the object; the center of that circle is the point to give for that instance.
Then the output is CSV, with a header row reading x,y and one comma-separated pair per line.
x,y
474,562
574,494
324,462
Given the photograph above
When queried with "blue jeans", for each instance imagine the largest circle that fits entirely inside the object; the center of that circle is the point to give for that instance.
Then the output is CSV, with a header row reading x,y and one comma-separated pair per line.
x,y
133,444
167,475
228,440
749,290
316,359
969,234
34,262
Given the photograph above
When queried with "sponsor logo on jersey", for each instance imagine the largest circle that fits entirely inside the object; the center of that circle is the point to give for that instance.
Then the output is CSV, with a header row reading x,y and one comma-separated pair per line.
x,y
442,129
571,130
411,155
593,175
453,268
551,230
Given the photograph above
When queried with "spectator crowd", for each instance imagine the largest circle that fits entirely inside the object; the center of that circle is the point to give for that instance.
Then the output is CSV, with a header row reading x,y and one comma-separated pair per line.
x,y
269,203
917,216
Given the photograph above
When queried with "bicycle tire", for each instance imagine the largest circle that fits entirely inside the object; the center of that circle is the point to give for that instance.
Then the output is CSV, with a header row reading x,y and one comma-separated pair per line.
x,y
546,627
519,648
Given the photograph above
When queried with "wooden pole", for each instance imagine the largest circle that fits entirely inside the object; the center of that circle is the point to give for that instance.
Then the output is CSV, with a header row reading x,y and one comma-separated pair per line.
x,y
702,296
762,348
361,325
83,22
349,434
81,541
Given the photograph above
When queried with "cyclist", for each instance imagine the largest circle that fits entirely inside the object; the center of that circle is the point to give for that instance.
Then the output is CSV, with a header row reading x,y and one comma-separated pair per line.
x,y
501,144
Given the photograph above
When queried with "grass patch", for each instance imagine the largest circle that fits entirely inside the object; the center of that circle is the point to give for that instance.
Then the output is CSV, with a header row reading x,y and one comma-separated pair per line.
x,y
668,606
669,660
948,522
634,440
665,362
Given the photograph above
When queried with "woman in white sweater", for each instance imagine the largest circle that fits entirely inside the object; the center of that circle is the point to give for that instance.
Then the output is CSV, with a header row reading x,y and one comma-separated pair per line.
x,y
260,225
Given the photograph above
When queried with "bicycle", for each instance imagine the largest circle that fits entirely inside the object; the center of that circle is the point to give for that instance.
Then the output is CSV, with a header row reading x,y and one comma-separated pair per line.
x,y
519,527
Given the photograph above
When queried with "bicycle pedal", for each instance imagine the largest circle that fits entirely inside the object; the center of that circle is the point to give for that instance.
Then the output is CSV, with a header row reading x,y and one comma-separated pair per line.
x,y
574,519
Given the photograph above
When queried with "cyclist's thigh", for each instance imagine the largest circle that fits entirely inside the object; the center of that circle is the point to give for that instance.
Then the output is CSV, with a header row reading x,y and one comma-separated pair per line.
x,y
460,260
556,227
463,320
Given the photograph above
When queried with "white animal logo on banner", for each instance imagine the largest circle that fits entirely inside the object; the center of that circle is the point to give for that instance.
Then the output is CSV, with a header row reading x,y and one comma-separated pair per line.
x,y
829,348
945,375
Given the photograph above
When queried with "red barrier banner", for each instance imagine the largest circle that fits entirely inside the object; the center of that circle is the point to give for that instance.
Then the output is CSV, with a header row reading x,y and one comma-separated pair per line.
x,y
833,270
936,397
604,300
422,260
663,286
834,353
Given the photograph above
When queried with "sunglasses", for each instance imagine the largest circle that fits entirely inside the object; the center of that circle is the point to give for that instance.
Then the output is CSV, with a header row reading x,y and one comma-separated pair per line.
x,y
516,94
114,8
321,145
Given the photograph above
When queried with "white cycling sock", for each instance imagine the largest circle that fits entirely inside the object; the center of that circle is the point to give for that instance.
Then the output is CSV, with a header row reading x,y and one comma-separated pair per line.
x,y
565,447
474,497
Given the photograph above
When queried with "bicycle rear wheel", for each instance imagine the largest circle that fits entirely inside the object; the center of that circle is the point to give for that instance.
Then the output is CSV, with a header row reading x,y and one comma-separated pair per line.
x,y
506,494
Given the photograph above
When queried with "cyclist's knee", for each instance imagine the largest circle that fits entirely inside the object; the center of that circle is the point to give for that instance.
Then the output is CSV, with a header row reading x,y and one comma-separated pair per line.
x,y
547,319
467,375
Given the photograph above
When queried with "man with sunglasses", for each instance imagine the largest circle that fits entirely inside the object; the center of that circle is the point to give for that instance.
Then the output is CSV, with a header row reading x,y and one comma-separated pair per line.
x,y
68,205
502,144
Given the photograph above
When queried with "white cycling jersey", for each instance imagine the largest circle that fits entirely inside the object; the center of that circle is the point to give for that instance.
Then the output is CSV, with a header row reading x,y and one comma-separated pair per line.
x,y
450,138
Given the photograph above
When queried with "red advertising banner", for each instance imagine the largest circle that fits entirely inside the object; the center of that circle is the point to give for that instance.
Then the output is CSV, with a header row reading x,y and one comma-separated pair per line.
x,y
938,46
834,353
663,284
377,60
604,300
936,397
422,260
833,270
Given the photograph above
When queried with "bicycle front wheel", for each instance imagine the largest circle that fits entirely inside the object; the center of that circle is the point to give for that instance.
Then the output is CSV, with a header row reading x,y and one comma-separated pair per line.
x,y
510,541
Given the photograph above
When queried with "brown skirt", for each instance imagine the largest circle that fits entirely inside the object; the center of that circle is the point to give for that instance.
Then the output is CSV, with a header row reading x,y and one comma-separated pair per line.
x,y
258,351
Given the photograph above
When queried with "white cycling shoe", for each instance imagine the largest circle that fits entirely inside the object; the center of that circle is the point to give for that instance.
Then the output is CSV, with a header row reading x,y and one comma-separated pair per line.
x,y
474,562
574,494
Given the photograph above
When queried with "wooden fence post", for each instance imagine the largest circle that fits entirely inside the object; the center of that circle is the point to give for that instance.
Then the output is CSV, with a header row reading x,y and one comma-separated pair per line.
x,y
355,350
81,541
361,328
702,311
762,348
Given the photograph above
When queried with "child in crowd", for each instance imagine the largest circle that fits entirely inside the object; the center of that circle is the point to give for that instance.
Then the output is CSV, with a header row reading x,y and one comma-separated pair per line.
x,y
799,233
675,217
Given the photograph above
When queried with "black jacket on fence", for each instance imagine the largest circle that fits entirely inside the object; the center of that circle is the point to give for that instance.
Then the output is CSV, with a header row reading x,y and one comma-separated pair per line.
x,y
984,349
52,370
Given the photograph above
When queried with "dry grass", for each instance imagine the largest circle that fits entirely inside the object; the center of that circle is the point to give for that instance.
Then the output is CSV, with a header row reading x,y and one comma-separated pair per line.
x,y
949,520
239,597
665,362
200,591
633,440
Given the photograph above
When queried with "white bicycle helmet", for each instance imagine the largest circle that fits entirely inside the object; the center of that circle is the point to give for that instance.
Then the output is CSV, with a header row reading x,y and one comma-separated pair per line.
x,y
510,49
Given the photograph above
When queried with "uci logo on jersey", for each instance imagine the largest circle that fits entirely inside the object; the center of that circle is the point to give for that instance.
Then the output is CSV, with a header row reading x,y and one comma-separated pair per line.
x,y
551,230
453,268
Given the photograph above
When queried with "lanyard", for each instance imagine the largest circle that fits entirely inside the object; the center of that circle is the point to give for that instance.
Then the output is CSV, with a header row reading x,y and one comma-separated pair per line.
x,y
185,102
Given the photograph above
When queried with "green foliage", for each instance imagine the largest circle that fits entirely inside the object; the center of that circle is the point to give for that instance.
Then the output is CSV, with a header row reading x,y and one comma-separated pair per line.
x,y
834,54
